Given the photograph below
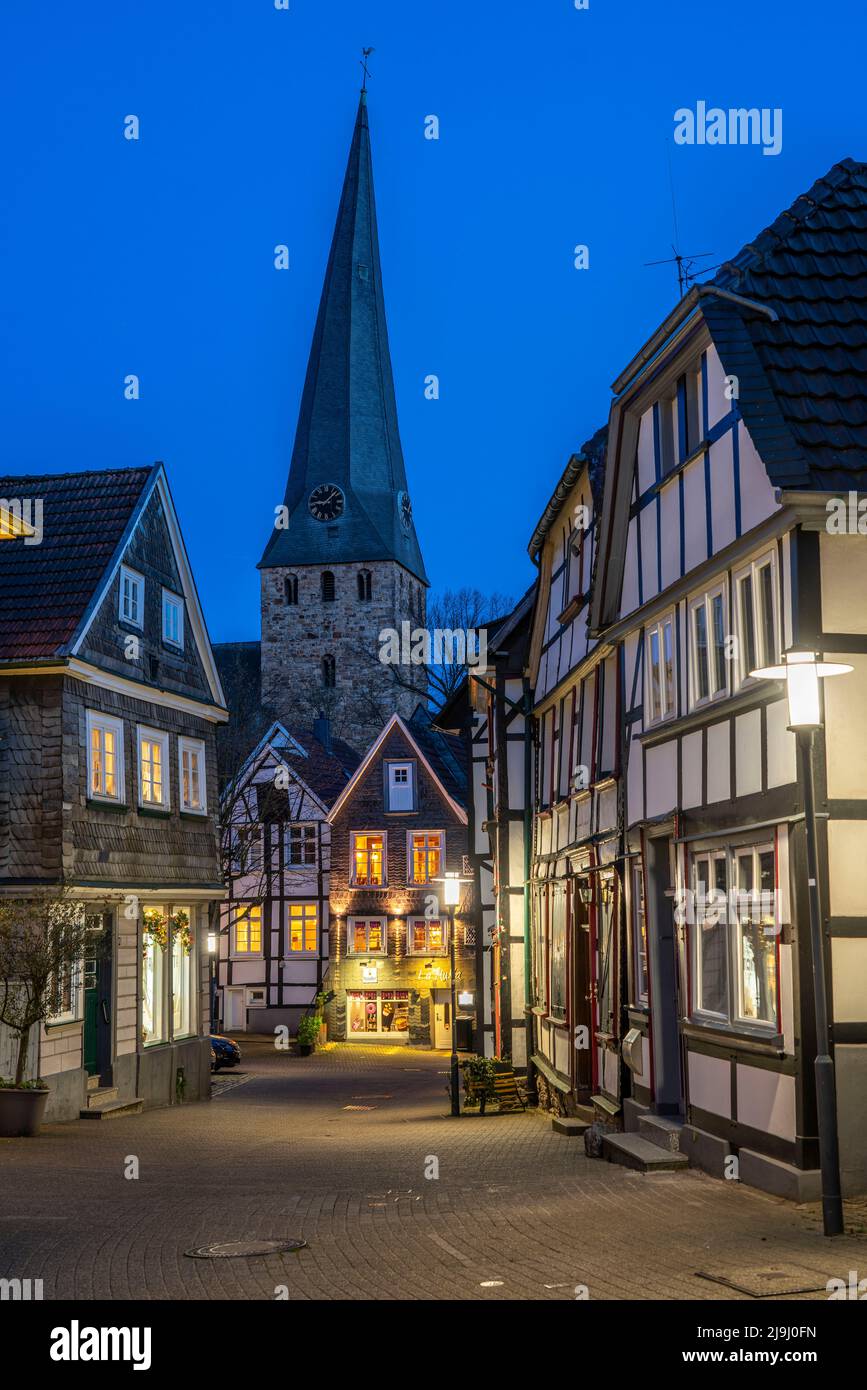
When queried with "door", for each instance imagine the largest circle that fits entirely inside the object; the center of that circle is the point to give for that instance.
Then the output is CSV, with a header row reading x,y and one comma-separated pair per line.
x,y
236,1011
400,794
583,997
91,1009
442,1011
664,988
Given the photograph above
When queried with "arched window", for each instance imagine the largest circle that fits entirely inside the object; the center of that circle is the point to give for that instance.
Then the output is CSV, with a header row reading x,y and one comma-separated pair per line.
x,y
365,585
329,673
328,590
290,585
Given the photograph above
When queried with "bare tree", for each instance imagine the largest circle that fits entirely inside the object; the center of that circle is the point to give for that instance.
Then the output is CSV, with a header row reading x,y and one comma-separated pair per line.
x,y
454,611
42,943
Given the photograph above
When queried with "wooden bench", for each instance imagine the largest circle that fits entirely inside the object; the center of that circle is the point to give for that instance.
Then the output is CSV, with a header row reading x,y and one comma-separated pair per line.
x,y
507,1092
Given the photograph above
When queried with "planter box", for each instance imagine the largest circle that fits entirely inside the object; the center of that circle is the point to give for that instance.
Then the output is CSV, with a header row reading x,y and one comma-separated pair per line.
x,y
21,1112
305,1049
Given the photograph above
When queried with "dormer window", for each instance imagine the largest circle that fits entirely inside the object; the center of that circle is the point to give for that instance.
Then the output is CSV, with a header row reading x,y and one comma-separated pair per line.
x,y
131,598
328,587
173,620
365,585
400,786
290,588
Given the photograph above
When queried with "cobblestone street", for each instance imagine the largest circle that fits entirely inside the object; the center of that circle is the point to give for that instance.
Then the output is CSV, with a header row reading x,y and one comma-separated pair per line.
x,y
334,1149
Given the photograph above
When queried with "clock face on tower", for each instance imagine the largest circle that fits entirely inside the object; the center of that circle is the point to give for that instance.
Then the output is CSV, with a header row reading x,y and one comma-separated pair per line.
x,y
326,502
404,507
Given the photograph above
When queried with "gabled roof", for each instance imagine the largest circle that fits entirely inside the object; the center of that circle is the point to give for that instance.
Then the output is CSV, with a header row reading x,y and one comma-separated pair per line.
x,y
591,456
322,772
347,430
45,589
415,742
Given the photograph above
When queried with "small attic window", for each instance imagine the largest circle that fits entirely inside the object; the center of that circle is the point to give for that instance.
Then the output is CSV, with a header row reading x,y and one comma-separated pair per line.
x,y
290,585
362,271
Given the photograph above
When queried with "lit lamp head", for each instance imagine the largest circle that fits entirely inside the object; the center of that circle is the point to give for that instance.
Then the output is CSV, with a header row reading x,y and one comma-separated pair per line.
x,y
802,672
212,942
452,885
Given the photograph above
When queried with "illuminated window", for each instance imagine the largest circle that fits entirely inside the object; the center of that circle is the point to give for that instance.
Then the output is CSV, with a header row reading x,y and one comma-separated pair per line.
x,y
153,761
191,768
131,597
303,923
368,860
366,937
426,936
173,619
426,853
248,931
104,756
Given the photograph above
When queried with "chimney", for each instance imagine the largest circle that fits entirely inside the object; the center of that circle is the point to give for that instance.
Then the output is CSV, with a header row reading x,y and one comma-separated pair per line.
x,y
322,731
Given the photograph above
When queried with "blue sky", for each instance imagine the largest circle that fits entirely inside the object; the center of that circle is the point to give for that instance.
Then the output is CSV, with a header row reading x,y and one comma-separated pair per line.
x,y
155,257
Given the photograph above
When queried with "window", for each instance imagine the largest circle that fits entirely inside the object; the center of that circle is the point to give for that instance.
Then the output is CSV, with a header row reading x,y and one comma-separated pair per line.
x,y
426,936
378,1011
735,933
329,589
365,585
300,845
639,933
248,930
425,855
557,953
182,974
65,993
191,775
708,638
756,613
153,768
131,597
290,588
399,786
303,923
246,849
168,974
661,693
173,619
153,982
329,672
366,937
368,860
104,757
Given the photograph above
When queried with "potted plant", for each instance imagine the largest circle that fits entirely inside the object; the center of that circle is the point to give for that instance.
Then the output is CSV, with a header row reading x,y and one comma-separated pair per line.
x,y
42,943
478,1081
308,1032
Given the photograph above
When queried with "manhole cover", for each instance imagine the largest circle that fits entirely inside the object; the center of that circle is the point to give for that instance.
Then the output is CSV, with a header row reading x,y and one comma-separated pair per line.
x,y
238,1249
359,1107
766,1283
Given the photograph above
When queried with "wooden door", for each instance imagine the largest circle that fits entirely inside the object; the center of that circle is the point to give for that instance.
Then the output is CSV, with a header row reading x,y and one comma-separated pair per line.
x,y
582,996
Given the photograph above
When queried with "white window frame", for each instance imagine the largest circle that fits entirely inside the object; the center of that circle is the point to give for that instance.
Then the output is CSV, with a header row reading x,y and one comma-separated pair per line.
x,y
161,737
306,952
639,940
733,1018
706,601
136,582
351,923
410,872
763,655
244,909
667,697
437,951
739,1018
97,720
353,836
291,863
74,1013
173,602
197,746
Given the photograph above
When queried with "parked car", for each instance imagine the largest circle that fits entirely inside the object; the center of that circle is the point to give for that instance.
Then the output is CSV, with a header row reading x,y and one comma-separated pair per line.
x,y
225,1052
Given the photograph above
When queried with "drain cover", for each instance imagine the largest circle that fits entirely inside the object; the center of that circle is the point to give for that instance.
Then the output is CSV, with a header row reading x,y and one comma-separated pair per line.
x,y
766,1283
237,1249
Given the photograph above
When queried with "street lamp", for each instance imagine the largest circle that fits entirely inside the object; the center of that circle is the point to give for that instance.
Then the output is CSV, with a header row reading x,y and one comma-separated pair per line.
x,y
802,672
452,884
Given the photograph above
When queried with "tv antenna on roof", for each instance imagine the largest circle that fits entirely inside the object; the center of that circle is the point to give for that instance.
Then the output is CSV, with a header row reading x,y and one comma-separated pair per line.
x,y
685,271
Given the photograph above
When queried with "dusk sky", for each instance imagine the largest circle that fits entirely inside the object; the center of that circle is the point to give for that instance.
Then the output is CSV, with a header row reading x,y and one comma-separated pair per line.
x,y
156,256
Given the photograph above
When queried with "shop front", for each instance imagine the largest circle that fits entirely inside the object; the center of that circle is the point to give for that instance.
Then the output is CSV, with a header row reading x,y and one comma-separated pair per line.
x,y
375,1015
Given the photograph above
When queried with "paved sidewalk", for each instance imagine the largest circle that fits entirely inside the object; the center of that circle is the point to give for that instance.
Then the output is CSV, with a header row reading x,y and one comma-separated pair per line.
x,y
336,1149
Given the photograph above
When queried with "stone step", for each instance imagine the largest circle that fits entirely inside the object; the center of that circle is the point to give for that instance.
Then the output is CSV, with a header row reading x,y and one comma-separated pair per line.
x,y
631,1151
92,1083
661,1130
112,1109
563,1124
98,1095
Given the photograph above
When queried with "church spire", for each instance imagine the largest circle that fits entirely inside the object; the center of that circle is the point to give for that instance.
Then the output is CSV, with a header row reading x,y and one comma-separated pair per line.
x,y
347,497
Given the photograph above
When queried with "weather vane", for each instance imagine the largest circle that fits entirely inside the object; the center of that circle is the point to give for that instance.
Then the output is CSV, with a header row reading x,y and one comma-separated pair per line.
x,y
365,54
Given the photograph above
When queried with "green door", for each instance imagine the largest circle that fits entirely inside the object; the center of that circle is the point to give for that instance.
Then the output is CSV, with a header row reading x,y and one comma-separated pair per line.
x,y
91,994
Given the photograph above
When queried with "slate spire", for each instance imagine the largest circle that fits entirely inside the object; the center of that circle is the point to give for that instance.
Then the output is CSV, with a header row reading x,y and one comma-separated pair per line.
x,y
347,434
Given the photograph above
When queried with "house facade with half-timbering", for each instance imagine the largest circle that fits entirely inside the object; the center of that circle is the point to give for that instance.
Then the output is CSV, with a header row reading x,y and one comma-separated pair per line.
x,y
398,826
109,700
731,434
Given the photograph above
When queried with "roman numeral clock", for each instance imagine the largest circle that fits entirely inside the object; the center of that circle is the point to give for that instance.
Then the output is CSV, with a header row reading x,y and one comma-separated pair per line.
x,y
326,502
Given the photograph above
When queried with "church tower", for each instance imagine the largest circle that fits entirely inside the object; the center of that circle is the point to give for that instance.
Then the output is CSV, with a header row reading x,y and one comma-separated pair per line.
x,y
343,562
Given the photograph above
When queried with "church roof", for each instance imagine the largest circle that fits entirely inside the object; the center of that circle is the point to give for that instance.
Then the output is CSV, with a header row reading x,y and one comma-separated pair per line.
x,y
347,431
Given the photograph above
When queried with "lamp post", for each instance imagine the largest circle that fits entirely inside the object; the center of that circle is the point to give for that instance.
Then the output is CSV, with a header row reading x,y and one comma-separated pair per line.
x,y
452,884
802,672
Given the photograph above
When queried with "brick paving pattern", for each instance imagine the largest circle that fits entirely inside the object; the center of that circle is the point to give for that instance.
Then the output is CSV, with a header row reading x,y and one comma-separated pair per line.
x,y
517,1212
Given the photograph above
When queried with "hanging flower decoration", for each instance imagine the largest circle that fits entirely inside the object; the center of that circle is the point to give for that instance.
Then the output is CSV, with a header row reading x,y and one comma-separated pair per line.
x,y
180,926
158,925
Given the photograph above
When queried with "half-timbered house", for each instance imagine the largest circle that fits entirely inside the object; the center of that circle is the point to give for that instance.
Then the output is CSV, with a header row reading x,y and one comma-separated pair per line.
x,y
109,699
730,433
398,826
273,951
